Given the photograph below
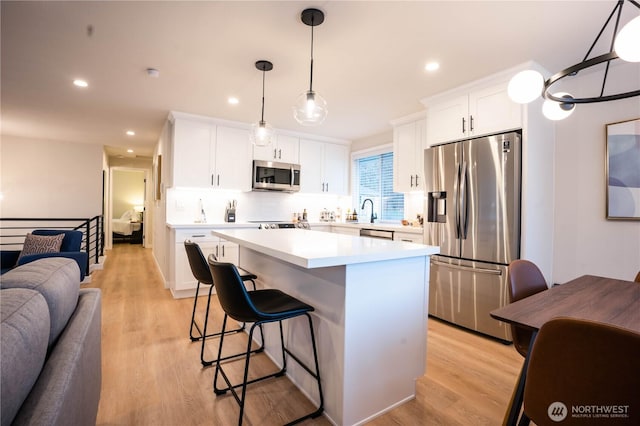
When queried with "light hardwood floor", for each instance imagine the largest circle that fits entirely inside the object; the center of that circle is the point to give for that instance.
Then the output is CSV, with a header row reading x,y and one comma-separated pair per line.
x,y
151,371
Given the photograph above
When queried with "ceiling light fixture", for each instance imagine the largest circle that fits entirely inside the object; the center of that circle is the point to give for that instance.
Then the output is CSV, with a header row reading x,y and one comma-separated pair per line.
x,y
80,83
261,132
310,108
527,85
130,133
233,100
432,66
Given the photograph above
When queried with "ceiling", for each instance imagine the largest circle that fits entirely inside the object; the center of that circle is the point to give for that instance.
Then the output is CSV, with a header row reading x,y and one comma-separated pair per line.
x,y
369,59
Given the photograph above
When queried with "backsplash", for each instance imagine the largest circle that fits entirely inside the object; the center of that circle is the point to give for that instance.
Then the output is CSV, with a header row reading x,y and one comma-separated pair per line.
x,y
183,205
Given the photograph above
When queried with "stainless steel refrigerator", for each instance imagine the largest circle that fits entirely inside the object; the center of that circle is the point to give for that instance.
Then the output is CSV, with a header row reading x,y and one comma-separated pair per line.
x,y
473,214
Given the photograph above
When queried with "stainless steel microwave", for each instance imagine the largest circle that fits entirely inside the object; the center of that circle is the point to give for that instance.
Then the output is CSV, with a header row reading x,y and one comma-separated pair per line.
x,y
273,176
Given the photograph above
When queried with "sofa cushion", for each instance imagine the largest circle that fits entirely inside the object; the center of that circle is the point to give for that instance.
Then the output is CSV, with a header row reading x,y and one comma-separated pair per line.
x,y
36,244
57,279
24,337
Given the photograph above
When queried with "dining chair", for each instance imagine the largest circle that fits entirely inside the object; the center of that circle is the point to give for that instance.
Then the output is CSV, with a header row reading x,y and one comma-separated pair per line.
x,y
259,307
201,272
525,279
576,365
637,278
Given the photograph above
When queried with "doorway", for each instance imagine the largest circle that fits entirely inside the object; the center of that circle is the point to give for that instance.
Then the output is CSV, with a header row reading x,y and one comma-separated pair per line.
x,y
128,201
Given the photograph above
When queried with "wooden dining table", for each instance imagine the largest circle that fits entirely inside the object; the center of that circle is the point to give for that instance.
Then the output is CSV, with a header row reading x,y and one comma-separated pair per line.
x,y
605,300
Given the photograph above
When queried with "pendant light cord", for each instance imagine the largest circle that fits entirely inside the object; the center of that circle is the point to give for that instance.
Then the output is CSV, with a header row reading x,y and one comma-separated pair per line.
x,y
262,114
311,76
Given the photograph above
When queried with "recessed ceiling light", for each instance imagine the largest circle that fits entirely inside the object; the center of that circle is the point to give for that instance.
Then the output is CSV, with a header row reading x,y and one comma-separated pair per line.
x,y
233,100
131,133
80,83
432,66
130,151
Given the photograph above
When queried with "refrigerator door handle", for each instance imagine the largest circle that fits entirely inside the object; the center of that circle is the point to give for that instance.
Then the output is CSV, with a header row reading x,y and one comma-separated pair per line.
x,y
456,200
464,213
467,268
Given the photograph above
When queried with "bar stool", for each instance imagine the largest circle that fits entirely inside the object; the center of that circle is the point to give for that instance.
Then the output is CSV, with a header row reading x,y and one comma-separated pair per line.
x,y
201,272
258,307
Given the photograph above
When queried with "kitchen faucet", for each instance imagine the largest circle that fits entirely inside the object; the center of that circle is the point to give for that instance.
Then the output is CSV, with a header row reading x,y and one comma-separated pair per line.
x,y
373,215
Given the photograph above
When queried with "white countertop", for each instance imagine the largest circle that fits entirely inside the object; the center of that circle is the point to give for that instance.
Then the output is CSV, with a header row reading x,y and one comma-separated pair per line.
x,y
315,249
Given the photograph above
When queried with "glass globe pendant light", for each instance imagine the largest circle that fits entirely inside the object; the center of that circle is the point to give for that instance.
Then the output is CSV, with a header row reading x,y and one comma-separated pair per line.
x,y
261,132
310,108
554,110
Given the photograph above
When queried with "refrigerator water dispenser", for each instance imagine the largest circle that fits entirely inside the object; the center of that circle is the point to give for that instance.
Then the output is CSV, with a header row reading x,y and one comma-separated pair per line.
x,y
437,206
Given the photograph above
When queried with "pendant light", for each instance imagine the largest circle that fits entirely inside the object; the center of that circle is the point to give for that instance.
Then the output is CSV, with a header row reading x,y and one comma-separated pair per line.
x,y
529,85
261,132
310,108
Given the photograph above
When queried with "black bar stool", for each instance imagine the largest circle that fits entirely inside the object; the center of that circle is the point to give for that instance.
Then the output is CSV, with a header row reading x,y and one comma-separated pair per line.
x,y
201,272
258,307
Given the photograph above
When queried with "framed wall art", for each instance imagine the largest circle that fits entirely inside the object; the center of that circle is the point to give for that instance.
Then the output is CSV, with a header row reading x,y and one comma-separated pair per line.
x,y
623,170
158,178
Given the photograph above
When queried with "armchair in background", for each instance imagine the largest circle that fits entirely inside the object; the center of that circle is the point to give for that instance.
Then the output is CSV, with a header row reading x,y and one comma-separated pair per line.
x,y
70,247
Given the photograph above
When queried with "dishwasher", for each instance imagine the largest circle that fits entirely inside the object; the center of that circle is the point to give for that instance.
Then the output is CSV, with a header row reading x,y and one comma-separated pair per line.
x,y
376,233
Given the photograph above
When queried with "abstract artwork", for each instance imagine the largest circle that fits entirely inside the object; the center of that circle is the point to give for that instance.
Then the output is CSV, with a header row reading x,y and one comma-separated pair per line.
x,y
623,170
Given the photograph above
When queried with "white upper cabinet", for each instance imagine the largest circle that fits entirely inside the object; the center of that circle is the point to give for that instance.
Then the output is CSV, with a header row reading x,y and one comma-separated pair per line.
x,y
232,159
285,149
192,142
210,155
408,155
324,167
476,113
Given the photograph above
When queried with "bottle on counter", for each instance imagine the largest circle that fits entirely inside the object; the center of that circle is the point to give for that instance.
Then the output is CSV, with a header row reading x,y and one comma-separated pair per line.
x,y
304,214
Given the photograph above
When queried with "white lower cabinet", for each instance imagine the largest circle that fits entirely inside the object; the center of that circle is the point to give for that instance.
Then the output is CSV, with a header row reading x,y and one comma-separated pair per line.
x,y
408,236
183,282
345,230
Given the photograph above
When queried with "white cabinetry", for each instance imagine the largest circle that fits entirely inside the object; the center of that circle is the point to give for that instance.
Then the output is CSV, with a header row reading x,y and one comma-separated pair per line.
x,y
210,155
285,149
183,282
408,154
353,231
479,112
324,167
408,236
232,159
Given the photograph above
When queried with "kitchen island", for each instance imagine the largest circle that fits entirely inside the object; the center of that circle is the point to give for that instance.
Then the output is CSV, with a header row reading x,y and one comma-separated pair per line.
x,y
370,298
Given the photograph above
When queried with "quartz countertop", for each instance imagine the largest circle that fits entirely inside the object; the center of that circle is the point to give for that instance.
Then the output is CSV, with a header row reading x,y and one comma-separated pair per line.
x,y
316,249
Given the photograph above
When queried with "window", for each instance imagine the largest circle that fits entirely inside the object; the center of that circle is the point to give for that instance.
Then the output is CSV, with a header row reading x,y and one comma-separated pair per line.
x,y
373,176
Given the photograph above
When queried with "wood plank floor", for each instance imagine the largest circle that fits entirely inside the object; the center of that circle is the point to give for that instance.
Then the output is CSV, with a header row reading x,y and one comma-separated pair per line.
x,y
151,372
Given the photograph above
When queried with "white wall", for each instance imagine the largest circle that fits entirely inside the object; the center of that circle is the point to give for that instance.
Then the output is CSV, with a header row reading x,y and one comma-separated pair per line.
x,y
128,191
42,178
585,241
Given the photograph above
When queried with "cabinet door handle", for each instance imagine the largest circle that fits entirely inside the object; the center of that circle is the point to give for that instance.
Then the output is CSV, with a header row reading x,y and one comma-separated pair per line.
x,y
274,153
279,154
197,236
216,252
416,181
411,181
327,186
471,123
463,123
211,179
223,251
218,184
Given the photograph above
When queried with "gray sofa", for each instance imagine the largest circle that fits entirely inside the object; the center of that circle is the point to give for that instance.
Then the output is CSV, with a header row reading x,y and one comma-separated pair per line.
x,y
50,345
